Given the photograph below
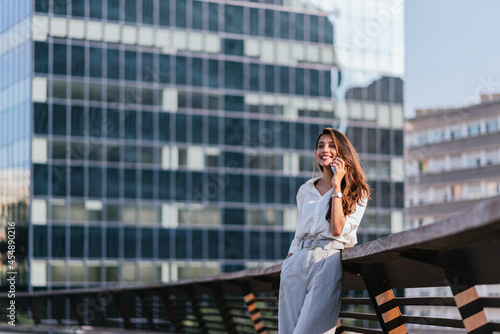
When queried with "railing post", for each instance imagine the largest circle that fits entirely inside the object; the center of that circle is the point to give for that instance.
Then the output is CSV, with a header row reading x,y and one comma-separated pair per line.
x,y
123,311
78,310
169,305
36,316
470,307
224,309
255,316
383,299
196,310
55,313
147,311
462,282
99,308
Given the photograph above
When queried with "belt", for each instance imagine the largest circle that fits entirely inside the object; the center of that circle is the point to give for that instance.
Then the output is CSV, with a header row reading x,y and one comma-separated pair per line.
x,y
313,241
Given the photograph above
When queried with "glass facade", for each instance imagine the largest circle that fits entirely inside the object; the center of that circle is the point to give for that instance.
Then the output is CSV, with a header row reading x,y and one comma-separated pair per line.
x,y
169,138
15,138
369,45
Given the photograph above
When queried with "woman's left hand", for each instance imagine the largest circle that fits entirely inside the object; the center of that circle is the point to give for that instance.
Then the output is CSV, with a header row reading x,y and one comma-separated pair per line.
x,y
339,165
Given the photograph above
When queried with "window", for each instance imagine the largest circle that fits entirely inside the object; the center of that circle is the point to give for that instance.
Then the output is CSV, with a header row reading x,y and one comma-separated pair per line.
x,y
314,82
42,6
164,72
233,74
112,244
113,182
254,22
41,123
113,60
130,65
328,31
284,25
113,10
438,136
95,62
58,273
233,244
40,242
313,29
180,13
254,77
213,17
130,184
213,73
96,9
41,57
299,27
130,239
269,77
60,7
95,182
213,130
130,10
233,18
233,131
474,130
299,81
77,8
284,80
77,182
197,72
164,12
58,241
94,273
492,126
113,213
148,68
371,140
456,133
233,47
130,124
59,61
94,210
76,242
197,15
112,123
146,249
269,23
180,70
234,103
77,122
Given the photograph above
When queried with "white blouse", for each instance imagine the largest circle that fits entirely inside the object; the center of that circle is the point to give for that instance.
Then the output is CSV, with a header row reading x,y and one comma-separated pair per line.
x,y
311,217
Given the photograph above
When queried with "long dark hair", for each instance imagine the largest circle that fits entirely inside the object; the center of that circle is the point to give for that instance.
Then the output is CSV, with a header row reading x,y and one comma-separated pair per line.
x,y
354,186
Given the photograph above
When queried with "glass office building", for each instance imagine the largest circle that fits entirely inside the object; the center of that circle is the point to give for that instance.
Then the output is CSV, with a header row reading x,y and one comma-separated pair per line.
x,y
155,140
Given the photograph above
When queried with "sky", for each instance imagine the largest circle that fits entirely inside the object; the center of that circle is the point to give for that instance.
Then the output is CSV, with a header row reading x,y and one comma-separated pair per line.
x,y
452,52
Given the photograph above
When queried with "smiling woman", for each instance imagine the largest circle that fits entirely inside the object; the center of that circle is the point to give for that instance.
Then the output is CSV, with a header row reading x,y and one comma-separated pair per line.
x,y
330,209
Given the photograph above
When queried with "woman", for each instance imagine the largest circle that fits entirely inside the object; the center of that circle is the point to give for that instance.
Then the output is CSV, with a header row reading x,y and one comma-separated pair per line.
x,y
330,208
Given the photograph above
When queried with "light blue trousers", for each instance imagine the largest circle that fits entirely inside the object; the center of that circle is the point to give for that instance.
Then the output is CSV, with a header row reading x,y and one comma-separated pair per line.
x,y
311,291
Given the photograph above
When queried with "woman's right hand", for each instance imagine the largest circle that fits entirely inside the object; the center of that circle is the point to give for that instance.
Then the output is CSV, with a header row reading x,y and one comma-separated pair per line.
x,y
289,254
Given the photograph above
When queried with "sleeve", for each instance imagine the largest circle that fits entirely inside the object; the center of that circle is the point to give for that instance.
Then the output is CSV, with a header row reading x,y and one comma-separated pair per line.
x,y
351,224
294,247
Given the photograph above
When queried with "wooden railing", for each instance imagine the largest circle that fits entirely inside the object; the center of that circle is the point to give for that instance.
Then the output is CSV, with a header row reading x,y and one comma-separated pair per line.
x,y
458,253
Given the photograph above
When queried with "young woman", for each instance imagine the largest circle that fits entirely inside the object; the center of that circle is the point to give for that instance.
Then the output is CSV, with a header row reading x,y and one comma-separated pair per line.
x,y
330,208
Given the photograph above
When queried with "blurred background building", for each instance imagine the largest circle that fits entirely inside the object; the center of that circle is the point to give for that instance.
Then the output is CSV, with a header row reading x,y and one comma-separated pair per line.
x,y
156,140
452,162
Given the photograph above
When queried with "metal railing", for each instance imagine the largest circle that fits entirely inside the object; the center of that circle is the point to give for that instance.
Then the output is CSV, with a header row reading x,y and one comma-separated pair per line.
x,y
460,253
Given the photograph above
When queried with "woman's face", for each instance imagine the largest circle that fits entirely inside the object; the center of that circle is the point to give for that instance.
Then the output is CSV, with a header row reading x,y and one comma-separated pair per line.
x,y
325,152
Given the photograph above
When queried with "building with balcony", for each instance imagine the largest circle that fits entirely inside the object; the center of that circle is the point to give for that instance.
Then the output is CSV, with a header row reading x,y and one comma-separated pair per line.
x,y
452,162
155,140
